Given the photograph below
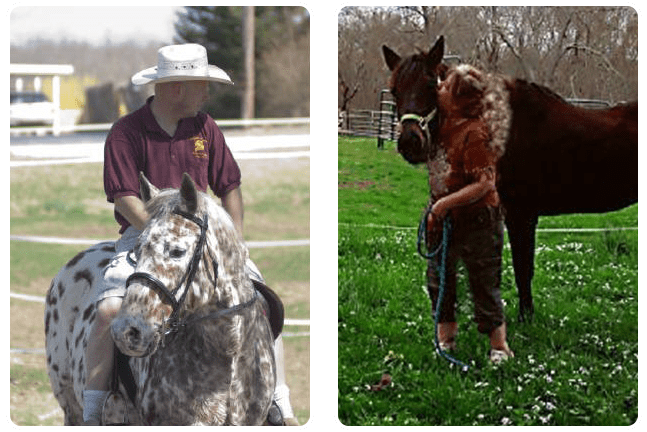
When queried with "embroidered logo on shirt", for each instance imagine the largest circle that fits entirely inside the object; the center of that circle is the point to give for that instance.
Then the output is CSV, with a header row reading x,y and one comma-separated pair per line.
x,y
198,149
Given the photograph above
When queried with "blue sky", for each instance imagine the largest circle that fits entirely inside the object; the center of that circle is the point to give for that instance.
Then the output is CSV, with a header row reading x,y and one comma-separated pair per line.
x,y
94,24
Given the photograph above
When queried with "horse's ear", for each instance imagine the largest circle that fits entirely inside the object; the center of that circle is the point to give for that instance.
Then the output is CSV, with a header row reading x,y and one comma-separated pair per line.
x,y
391,58
441,71
146,189
435,56
189,193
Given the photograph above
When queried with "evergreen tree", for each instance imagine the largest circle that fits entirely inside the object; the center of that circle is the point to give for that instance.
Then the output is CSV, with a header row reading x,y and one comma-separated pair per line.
x,y
220,31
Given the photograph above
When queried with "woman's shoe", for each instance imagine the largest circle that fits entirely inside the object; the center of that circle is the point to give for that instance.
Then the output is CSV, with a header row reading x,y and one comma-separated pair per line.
x,y
499,356
447,346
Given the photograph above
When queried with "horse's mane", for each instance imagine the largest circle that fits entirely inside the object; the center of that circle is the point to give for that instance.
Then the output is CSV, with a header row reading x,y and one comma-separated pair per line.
x,y
543,98
541,91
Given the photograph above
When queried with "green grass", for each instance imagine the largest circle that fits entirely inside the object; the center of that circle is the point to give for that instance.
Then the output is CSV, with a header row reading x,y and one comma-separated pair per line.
x,y
375,187
575,364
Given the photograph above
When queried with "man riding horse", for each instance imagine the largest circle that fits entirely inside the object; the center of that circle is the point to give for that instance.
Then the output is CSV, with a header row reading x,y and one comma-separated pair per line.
x,y
167,137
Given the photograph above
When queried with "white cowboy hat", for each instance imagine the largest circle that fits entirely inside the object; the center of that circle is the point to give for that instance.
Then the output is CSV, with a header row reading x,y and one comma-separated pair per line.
x,y
181,63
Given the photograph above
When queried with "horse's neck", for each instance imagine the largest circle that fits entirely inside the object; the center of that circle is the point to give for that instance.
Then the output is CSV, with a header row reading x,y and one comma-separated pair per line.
x,y
241,290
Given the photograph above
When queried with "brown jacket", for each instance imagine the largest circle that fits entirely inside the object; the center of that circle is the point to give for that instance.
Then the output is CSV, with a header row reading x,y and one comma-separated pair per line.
x,y
469,155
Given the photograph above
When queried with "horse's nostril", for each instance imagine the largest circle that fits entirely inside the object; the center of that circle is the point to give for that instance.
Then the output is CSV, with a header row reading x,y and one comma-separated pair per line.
x,y
133,334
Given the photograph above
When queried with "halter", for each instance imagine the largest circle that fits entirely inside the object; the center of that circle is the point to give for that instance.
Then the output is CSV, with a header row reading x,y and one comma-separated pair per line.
x,y
173,323
423,121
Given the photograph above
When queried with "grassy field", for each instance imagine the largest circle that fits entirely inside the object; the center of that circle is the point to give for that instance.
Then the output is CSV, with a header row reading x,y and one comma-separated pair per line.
x,y
575,364
68,201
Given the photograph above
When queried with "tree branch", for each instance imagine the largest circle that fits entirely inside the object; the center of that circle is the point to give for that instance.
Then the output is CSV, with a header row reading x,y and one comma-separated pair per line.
x,y
606,62
529,73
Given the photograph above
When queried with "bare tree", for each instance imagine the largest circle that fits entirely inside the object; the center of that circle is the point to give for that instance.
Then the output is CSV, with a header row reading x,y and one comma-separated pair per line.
x,y
283,64
580,52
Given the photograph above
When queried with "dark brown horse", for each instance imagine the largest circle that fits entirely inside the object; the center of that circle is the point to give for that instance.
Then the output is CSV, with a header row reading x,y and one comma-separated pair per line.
x,y
559,158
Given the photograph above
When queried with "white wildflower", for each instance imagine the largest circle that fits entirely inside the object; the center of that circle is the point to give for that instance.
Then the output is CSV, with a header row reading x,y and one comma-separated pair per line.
x,y
549,379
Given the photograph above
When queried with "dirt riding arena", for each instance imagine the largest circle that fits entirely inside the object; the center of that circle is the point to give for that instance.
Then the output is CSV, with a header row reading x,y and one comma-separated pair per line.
x,y
276,173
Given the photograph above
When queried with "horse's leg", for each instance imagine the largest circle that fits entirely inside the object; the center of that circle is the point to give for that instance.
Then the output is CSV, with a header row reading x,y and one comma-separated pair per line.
x,y
521,230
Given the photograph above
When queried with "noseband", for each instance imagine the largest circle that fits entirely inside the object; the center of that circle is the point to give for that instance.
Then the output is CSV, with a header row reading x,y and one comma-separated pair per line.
x,y
173,322
424,122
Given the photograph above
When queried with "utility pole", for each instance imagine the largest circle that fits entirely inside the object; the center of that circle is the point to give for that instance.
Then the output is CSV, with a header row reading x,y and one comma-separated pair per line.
x,y
248,47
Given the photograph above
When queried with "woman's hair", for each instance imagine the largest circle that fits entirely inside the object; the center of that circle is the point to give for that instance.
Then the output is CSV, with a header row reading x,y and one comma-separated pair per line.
x,y
477,94
467,90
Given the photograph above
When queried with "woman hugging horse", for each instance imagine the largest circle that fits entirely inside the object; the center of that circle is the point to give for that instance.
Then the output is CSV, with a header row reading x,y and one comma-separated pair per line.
x,y
463,176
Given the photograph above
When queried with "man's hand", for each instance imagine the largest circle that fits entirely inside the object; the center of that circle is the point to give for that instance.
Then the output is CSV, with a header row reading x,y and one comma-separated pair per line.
x,y
437,213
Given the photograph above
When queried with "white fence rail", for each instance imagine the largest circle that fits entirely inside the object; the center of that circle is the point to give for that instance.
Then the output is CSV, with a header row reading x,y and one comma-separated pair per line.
x,y
244,123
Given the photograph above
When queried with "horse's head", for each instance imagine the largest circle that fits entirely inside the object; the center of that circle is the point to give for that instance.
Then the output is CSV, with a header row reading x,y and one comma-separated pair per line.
x,y
414,81
188,257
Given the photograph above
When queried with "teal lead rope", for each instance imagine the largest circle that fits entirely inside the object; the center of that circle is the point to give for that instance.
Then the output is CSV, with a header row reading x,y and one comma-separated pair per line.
x,y
442,270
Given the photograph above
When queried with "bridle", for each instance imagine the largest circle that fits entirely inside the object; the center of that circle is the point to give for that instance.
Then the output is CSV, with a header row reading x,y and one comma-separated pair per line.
x,y
173,323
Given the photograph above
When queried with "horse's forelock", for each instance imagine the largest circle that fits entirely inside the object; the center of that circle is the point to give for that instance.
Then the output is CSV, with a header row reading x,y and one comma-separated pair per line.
x,y
408,65
170,199
162,203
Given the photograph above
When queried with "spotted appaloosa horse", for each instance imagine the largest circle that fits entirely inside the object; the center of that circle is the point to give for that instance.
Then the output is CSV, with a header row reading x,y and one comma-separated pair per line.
x,y
558,158
201,347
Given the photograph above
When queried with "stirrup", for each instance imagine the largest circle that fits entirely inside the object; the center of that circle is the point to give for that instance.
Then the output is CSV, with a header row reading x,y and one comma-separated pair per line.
x,y
116,396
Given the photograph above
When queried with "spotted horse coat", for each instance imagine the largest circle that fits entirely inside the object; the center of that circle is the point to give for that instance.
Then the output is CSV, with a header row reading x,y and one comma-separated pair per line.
x,y
212,364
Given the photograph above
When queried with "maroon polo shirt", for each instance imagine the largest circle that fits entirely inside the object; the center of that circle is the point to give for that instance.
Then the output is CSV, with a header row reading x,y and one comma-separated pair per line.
x,y
137,143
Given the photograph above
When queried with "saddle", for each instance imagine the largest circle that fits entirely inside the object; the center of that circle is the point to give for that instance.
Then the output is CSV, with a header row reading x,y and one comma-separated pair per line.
x,y
273,307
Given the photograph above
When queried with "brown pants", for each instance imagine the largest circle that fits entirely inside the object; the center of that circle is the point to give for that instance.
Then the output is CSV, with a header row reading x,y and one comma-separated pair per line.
x,y
476,239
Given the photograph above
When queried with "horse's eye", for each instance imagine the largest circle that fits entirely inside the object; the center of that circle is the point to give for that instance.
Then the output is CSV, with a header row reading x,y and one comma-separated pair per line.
x,y
176,253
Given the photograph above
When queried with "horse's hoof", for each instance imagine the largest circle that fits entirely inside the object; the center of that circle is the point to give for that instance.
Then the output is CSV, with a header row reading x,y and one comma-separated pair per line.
x,y
274,415
526,316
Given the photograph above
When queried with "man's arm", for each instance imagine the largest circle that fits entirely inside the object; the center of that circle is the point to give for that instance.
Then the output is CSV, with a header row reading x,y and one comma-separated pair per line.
x,y
133,209
232,201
